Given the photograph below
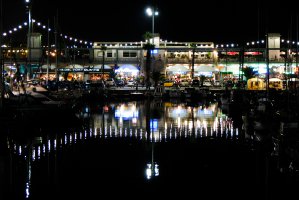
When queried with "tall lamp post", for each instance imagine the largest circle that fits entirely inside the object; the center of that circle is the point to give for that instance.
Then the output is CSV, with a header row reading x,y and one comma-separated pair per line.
x,y
151,11
1,60
150,46
28,7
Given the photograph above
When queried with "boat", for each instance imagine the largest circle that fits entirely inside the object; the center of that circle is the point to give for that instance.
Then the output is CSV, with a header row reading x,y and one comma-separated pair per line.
x,y
37,108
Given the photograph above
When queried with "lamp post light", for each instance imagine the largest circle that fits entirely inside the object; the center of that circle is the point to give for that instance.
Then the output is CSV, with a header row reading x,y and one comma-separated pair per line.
x,y
151,11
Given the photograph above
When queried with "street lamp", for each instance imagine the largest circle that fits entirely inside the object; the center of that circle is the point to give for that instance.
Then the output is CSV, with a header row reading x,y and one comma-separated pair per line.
x,y
28,6
152,12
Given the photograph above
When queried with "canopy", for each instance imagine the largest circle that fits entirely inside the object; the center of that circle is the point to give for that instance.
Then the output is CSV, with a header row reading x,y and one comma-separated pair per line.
x,y
100,67
76,66
127,68
275,79
178,68
50,66
204,68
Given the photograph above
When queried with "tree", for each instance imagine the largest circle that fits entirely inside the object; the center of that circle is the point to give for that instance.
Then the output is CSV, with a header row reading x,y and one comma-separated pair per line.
x,y
148,47
103,49
249,72
202,79
157,76
193,45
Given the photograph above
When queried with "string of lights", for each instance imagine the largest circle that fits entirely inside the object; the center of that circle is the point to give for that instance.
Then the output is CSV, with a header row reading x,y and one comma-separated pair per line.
x,y
77,41
46,28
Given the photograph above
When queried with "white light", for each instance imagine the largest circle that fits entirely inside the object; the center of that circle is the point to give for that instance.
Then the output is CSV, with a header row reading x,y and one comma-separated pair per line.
x,y
15,29
27,1
25,23
4,34
38,23
20,26
149,11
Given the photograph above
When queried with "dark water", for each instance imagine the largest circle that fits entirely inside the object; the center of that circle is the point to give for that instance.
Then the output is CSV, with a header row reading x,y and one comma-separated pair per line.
x,y
143,150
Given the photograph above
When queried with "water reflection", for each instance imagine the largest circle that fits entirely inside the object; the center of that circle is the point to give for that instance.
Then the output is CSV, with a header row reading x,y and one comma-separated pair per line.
x,y
147,123
167,121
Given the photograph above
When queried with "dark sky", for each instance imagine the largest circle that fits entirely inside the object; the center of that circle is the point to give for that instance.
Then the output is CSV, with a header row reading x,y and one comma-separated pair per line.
x,y
224,21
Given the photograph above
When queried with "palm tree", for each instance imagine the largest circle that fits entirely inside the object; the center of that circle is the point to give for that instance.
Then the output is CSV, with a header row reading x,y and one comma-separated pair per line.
x,y
157,76
248,72
103,48
148,47
193,45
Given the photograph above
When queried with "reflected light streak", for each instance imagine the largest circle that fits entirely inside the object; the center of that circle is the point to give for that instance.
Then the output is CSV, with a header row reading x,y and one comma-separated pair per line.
x,y
179,122
134,120
33,154
38,152
49,145
126,132
44,149
149,172
55,144
120,132
27,191
20,150
65,139
71,138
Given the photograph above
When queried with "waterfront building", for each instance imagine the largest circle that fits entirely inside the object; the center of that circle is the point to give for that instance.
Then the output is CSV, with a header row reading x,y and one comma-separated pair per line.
x,y
174,60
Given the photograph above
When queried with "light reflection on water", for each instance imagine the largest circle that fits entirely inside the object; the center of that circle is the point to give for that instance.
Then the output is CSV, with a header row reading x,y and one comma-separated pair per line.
x,y
133,121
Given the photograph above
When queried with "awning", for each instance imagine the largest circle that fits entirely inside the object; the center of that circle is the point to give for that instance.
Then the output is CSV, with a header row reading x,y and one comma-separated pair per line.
x,y
100,67
203,68
178,68
50,66
127,68
75,66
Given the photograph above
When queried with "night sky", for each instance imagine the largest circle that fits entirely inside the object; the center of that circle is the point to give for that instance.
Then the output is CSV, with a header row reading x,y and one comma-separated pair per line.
x,y
217,21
